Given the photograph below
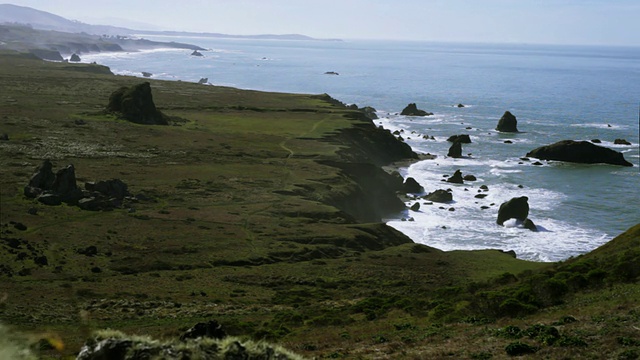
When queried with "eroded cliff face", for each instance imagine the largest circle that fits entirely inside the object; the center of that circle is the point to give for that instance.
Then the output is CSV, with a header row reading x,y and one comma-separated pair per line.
x,y
369,193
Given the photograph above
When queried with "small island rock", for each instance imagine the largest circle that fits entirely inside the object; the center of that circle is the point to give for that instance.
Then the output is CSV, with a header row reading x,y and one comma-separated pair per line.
x,y
455,151
583,152
439,196
507,123
412,110
516,208
464,139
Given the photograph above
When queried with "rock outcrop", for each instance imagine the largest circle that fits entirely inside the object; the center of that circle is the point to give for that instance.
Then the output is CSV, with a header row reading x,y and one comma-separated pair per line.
x,y
456,178
75,58
516,208
412,110
203,80
439,196
411,186
621,142
196,53
136,104
53,189
583,152
507,123
464,139
455,151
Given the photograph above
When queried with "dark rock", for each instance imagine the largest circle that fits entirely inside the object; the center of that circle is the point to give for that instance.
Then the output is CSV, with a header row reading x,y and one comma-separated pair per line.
x,y
211,329
537,163
452,209
32,211
481,196
20,226
65,182
50,199
411,186
510,253
579,152
456,178
460,105
331,73
412,110
469,178
439,196
196,53
484,187
42,179
464,138
528,224
621,142
484,207
516,208
415,207
91,250
41,260
147,74
596,141
136,104
525,159
75,58
508,142
4,137
370,112
507,123
455,151
203,80
114,188
80,122
96,270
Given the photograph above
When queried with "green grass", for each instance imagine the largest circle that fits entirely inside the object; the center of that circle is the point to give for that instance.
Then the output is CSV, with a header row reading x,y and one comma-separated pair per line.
x,y
234,228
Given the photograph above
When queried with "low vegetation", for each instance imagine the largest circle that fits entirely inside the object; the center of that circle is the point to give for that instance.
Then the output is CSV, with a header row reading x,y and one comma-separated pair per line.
x,y
238,214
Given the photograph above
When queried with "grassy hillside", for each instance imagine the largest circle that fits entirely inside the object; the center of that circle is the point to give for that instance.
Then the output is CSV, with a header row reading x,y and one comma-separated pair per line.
x,y
261,210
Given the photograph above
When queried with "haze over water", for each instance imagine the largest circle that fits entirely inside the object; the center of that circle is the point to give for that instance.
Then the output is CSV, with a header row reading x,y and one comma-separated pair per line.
x,y
556,92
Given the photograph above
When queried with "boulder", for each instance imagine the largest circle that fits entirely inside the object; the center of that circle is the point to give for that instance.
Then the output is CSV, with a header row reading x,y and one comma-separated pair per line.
x,y
469,178
455,151
211,329
147,74
621,142
75,58
196,53
412,186
583,152
439,196
412,110
114,188
516,208
136,104
528,224
456,178
464,139
507,123
596,141
460,105
43,178
370,112
415,207
4,137
203,80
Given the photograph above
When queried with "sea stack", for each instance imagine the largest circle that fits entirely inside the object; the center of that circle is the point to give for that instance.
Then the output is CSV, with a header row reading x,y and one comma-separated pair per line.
x,y
583,152
507,123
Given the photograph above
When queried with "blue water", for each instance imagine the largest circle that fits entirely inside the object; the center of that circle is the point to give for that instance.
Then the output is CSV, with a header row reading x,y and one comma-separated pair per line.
x,y
556,92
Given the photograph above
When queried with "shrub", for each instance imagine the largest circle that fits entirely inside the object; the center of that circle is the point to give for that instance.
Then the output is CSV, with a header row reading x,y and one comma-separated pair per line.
x,y
547,335
519,349
510,332
515,308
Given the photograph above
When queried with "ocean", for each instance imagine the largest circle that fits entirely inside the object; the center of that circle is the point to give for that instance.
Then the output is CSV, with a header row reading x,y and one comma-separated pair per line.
x,y
556,93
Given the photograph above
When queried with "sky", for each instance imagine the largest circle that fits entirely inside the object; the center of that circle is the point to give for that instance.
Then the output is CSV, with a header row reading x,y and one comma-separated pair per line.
x,y
589,22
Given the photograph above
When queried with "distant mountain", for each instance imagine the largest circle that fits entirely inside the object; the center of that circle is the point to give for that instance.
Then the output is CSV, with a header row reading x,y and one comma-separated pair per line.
x,y
42,20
